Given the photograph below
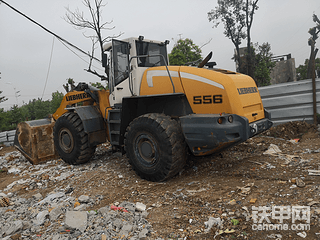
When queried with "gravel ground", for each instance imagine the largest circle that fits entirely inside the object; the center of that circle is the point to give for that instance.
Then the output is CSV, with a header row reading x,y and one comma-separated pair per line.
x,y
216,196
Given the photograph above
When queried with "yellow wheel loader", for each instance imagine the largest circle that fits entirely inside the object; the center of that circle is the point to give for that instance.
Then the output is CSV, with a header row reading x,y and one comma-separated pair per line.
x,y
153,112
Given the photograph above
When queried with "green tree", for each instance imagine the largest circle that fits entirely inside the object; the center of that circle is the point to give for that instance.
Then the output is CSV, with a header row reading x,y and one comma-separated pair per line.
x,y
230,14
56,101
15,116
250,8
3,98
237,17
302,70
98,85
4,120
263,64
185,52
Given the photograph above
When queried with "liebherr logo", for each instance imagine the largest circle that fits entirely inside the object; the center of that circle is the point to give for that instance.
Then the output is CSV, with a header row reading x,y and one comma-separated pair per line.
x,y
77,96
247,90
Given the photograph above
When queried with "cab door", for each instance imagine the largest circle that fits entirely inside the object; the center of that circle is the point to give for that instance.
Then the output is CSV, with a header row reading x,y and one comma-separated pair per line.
x,y
119,72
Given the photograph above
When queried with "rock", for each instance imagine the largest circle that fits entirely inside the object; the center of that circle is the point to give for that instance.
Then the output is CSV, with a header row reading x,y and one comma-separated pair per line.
x,y
104,210
6,238
253,200
55,213
126,229
51,197
117,223
143,233
302,234
64,176
14,170
313,203
14,227
37,196
60,237
41,217
144,214
277,236
103,237
3,195
76,220
140,207
300,183
84,199
81,207
211,222
76,204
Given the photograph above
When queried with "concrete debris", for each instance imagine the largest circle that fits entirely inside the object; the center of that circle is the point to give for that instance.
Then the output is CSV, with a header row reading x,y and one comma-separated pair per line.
x,y
273,149
314,172
211,222
14,227
140,207
302,234
84,199
76,220
41,217
54,211
51,197
300,183
277,236
14,170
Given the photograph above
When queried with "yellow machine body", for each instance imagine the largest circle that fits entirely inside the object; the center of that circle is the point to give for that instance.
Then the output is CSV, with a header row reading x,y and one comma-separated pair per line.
x,y
208,91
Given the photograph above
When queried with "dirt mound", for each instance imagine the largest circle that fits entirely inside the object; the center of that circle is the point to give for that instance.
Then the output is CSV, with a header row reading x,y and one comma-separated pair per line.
x,y
292,130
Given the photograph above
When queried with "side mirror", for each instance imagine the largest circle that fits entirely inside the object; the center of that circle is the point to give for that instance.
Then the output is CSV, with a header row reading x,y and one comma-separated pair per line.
x,y
104,60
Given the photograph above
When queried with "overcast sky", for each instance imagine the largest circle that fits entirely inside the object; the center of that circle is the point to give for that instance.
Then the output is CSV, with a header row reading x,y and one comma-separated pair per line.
x,y
25,48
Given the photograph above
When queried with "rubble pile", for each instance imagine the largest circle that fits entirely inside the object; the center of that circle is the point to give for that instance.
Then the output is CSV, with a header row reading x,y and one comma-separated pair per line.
x,y
214,197
59,215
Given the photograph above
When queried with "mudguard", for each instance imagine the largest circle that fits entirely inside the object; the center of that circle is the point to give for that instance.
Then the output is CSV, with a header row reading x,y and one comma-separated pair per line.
x,y
93,123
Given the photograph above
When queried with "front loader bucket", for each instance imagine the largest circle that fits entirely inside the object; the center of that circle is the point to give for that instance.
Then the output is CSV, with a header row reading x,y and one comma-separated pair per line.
x,y
34,139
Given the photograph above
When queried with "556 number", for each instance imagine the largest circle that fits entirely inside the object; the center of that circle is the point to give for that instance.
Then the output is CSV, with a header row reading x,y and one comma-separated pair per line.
x,y
207,99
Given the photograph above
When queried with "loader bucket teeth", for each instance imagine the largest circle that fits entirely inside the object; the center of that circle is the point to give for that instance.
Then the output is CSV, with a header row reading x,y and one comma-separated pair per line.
x,y
34,139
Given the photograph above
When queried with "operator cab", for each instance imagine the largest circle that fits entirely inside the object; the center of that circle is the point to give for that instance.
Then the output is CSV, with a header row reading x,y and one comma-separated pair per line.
x,y
126,62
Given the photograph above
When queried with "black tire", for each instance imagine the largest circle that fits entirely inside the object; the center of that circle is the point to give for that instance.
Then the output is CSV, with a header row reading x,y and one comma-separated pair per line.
x,y
155,146
70,139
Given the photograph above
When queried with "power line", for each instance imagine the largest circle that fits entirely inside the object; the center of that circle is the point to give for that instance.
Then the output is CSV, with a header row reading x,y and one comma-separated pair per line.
x,y
45,85
47,30
78,55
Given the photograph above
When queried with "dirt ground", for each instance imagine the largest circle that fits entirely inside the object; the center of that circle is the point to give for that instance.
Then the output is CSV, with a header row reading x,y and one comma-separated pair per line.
x,y
219,186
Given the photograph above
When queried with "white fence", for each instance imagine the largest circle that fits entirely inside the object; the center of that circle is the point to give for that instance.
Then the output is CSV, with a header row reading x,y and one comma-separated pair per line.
x,y
7,138
291,101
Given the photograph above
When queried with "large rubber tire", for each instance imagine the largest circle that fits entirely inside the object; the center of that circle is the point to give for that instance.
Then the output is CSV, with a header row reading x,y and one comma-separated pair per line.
x,y
70,139
155,146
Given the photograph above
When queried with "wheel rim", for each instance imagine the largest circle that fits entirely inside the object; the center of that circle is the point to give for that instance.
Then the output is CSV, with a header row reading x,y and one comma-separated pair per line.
x,y
66,140
146,149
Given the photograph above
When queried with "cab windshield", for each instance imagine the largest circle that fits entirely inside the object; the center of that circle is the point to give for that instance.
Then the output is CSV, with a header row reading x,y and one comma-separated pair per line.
x,y
154,50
